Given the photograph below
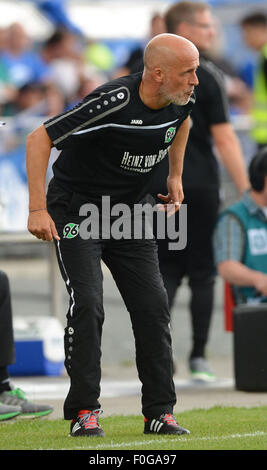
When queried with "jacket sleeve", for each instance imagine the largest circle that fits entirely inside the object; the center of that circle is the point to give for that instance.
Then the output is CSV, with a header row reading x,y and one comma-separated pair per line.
x,y
80,122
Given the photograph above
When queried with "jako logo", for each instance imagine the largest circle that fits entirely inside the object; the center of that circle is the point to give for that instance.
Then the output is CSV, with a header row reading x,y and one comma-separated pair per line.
x,y
136,121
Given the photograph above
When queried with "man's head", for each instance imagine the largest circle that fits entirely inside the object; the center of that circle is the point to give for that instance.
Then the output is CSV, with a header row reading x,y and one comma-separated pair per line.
x,y
258,173
17,38
170,64
254,28
193,21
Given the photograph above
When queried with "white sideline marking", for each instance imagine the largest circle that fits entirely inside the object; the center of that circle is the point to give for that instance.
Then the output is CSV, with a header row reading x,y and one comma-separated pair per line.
x,y
45,388
181,439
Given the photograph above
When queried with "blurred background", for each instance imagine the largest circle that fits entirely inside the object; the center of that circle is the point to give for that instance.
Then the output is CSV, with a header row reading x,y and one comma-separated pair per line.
x,y
52,54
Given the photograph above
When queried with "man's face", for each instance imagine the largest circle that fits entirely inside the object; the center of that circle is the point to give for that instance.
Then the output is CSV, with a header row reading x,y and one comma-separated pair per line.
x,y
201,30
254,36
180,81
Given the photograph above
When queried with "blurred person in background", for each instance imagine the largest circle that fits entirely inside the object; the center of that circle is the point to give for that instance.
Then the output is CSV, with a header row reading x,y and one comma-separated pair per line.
x,y
7,88
88,83
23,64
240,238
64,61
33,101
135,61
29,97
237,90
68,66
13,401
36,99
209,126
54,100
26,94
254,28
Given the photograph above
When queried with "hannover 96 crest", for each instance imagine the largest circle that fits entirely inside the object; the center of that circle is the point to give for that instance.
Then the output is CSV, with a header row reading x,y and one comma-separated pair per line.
x,y
170,134
70,230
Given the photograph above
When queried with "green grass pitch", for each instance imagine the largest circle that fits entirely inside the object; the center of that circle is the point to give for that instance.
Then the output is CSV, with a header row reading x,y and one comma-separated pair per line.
x,y
218,428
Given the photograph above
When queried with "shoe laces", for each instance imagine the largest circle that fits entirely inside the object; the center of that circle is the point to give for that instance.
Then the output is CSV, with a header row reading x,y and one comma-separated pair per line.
x,y
17,392
89,419
169,419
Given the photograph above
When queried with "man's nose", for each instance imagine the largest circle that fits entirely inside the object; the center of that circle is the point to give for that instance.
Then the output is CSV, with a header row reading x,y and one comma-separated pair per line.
x,y
194,79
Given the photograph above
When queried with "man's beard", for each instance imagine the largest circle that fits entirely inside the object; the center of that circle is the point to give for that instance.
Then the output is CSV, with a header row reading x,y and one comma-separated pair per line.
x,y
179,100
175,98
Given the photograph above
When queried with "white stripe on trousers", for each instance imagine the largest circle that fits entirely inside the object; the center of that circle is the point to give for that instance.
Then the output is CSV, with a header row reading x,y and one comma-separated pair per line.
x,y
67,281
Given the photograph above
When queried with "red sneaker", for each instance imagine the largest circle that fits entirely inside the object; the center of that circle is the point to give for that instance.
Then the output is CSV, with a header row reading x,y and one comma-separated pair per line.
x,y
86,424
165,424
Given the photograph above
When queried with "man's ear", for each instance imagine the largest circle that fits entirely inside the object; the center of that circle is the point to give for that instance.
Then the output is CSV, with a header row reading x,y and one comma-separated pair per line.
x,y
158,75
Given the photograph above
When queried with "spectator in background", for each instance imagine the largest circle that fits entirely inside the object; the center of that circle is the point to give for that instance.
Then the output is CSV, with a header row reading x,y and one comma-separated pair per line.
x,y
23,64
13,401
237,90
7,89
65,62
254,27
240,238
37,99
209,125
54,100
87,85
3,39
29,97
135,61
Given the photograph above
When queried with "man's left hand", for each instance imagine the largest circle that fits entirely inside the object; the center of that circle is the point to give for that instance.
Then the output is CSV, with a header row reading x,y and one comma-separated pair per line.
x,y
174,198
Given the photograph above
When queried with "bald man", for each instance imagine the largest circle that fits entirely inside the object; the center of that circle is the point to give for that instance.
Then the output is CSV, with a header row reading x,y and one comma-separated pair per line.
x,y
110,145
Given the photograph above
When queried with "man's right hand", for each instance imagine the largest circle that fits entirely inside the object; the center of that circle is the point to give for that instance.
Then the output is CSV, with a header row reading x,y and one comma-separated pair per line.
x,y
261,283
42,226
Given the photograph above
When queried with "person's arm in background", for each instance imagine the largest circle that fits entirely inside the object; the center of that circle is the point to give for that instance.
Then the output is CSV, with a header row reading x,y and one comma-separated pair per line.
x,y
38,148
238,274
221,129
230,154
229,245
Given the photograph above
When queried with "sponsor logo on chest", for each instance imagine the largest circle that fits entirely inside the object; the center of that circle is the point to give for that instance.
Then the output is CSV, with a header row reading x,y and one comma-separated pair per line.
x,y
142,163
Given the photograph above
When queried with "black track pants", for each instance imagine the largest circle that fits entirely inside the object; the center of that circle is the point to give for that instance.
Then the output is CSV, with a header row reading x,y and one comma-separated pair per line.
x,y
194,262
134,266
7,351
